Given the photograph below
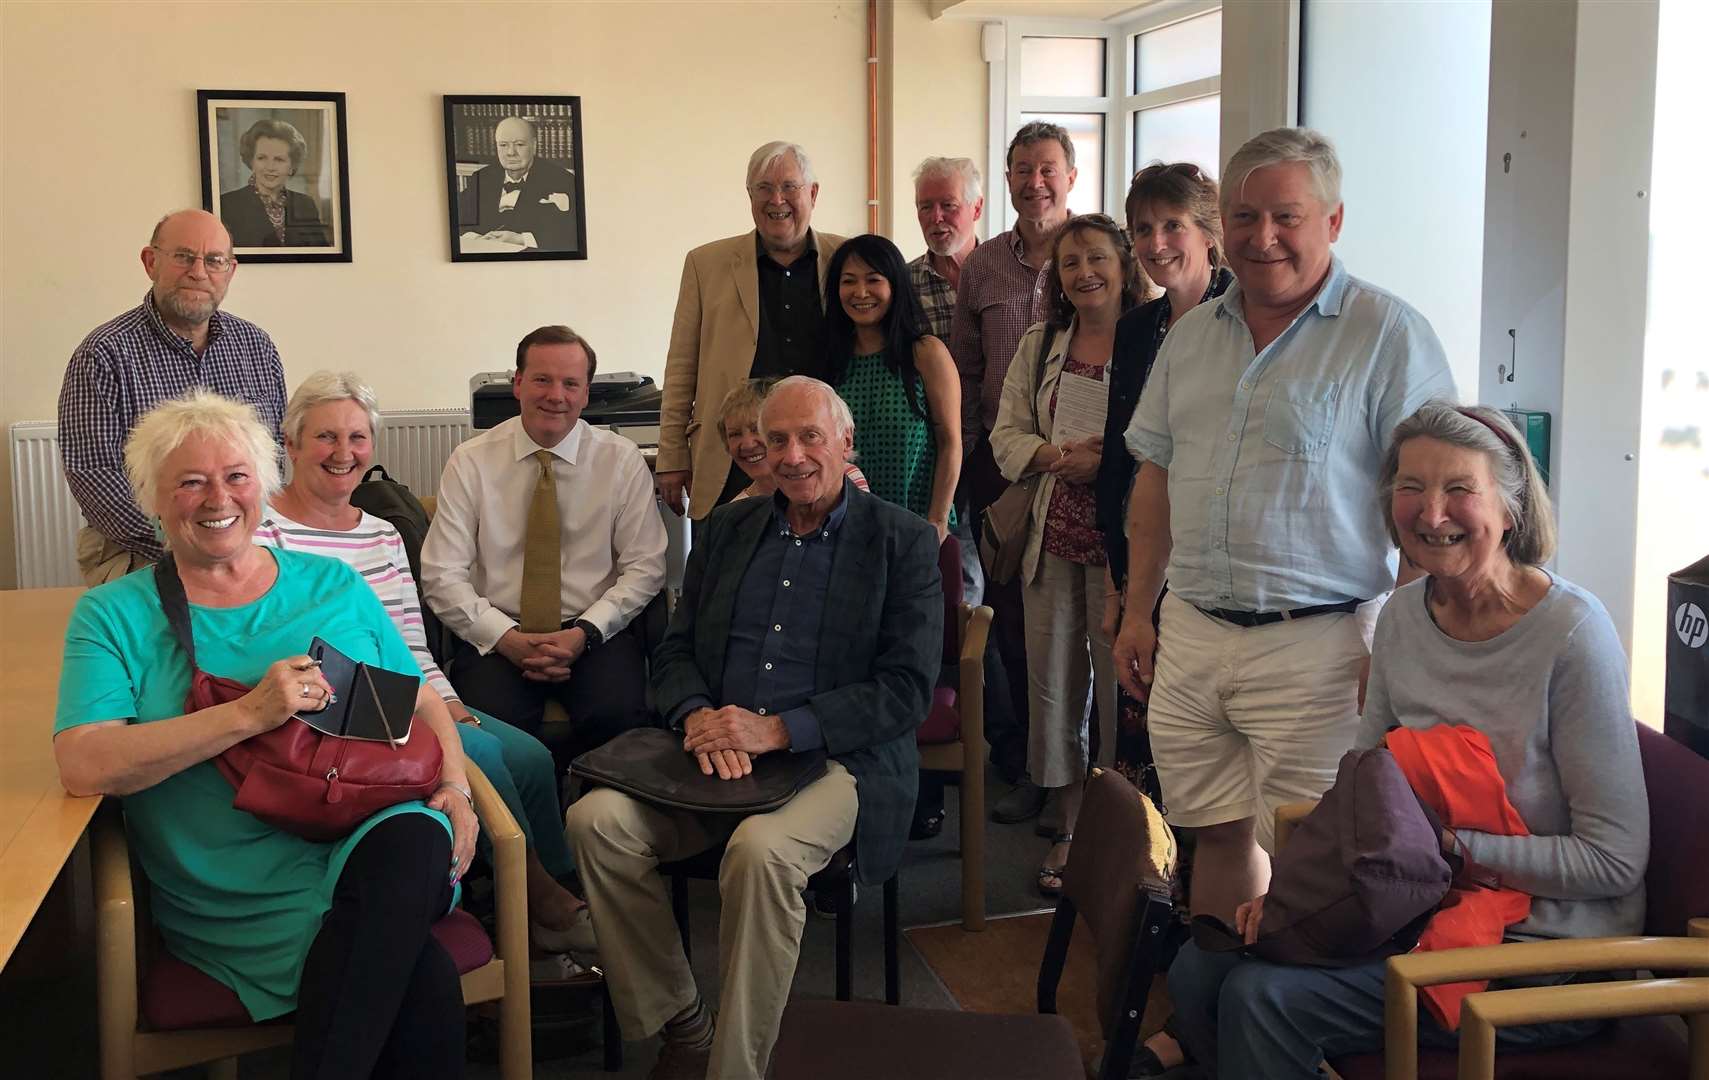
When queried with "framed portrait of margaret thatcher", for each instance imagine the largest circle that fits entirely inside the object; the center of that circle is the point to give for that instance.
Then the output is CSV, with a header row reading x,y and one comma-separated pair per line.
x,y
514,178
276,171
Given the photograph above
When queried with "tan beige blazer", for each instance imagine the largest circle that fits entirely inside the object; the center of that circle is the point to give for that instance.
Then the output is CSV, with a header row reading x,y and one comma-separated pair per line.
x,y
713,337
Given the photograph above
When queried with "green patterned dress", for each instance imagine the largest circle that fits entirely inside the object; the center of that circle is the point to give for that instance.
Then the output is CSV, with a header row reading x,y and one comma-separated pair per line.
x,y
895,446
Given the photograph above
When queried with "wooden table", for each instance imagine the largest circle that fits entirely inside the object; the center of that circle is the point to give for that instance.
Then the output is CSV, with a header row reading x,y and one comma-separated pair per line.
x,y
39,823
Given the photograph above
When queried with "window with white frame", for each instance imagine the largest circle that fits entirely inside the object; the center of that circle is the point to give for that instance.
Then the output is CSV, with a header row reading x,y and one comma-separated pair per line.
x,y
1147,88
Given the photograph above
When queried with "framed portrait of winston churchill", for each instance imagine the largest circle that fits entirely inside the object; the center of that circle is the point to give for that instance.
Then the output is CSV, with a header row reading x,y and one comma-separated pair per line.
x,y
515,180
275,170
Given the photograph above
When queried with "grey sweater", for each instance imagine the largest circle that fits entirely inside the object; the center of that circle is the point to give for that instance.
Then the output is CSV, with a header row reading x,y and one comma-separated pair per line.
x,y
1550,694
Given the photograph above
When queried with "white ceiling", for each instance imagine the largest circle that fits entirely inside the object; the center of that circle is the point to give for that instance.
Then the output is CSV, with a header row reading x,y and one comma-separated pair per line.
x,y
1055,9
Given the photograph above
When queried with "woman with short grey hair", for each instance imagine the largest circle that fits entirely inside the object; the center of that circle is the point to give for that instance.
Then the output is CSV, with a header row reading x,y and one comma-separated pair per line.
x,y
1491,641
329,435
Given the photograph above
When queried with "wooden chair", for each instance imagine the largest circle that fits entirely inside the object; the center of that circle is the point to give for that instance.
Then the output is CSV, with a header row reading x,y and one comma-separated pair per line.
x,y
1118,879
197,1019
953,737
1638,1043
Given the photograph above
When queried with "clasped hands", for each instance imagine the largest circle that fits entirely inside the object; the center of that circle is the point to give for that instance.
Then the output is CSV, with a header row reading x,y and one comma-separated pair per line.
x,y
543,657
726,741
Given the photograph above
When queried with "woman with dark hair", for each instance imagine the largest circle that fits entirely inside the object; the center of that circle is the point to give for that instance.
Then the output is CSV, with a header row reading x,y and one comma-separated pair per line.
x,y
1093,280
898,380
905,396
1176,227
264,212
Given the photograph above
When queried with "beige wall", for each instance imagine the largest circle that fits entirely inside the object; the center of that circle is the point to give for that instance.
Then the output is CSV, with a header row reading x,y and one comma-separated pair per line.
x,y
99,116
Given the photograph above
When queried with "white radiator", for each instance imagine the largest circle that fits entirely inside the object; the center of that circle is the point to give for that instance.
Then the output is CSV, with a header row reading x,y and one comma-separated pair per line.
x,y
45,517
412,444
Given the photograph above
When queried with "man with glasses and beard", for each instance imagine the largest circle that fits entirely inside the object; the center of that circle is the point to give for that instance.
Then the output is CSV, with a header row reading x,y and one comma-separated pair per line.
x,y
175,340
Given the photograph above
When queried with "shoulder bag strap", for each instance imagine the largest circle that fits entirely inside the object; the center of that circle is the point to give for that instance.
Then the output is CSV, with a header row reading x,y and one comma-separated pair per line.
x,y
1038,374
176,605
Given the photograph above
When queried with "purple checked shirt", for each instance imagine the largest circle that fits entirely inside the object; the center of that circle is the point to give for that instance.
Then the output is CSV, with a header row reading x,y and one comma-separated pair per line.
x,y
126,367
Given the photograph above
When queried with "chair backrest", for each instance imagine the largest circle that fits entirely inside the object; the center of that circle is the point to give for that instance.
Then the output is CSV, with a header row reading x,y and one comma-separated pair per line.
x,y
949,565
1122,850
1677,881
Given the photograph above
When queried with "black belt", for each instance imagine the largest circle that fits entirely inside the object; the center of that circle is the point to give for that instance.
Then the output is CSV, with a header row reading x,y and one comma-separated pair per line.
x,y
1265,618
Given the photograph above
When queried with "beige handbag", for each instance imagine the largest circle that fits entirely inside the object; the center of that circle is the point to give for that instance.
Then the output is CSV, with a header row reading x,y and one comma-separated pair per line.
x,y
1006,523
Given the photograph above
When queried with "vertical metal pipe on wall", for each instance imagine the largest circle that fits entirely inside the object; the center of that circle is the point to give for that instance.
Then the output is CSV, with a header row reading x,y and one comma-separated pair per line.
x,y
871,116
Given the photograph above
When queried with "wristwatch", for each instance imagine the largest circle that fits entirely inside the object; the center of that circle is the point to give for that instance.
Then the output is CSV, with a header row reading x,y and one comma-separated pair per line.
x,y
594,638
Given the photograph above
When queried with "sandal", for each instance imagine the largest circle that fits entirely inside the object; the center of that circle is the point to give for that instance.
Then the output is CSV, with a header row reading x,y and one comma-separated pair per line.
x,y
1146,1063
1048,874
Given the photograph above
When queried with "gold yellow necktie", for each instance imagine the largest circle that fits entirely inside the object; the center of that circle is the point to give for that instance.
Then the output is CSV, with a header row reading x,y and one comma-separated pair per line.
x,y
542,588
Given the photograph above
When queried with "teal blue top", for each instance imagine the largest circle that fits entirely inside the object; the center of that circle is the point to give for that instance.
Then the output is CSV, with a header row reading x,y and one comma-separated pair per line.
x,y
895,446
237,898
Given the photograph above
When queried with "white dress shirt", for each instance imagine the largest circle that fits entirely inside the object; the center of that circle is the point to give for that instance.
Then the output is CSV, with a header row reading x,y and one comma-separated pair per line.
x,y
613,550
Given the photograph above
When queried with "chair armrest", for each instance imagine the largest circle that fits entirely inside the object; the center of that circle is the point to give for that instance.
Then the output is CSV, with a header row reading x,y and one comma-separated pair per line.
x,y
970,691
115,940
1483,1013
1289,815
429,504
1551,958
1407,973
510,866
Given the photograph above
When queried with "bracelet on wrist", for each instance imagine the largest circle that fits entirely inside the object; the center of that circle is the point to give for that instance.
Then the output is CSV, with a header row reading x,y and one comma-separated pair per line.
x,y
461,790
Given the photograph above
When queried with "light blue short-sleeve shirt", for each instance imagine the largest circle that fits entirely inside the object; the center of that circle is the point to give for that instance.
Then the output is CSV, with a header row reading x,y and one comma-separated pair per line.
x,y
1273,456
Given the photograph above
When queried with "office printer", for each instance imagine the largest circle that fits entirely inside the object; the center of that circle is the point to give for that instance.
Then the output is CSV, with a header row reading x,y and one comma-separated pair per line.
x,y
621,401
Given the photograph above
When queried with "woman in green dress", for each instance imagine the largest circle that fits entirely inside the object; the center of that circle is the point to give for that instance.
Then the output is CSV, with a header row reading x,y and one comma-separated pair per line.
x,y
339,931
898,380
902,389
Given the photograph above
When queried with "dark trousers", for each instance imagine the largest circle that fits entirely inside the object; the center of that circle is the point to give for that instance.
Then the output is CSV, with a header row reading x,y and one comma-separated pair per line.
x,y
605,694
379,996
981,485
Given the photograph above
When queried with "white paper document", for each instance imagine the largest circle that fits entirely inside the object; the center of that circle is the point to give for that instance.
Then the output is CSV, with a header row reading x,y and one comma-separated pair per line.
x,y
1081,406
473,243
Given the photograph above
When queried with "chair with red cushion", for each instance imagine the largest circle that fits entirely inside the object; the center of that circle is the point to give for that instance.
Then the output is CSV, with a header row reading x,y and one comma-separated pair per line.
x,y
175,1016
953,737
1638,1042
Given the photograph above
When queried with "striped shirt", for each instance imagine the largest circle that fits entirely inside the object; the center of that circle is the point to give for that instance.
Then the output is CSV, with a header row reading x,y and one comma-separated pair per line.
x,y
1000,296
937,296
376,551
126,367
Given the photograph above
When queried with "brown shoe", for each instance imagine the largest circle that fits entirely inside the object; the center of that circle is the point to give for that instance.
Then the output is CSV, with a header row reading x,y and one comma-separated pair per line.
x,y
678,1061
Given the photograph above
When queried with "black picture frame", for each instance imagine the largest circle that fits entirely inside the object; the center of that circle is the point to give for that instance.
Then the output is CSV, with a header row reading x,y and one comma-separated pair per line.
x,y
546,217
316,223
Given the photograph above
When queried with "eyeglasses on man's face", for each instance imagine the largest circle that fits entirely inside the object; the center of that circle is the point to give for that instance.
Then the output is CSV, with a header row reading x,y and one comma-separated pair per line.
x,y
765,189
216,262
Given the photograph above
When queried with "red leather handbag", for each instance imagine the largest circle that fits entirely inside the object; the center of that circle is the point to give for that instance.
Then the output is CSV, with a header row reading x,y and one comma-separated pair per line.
x,y
317,786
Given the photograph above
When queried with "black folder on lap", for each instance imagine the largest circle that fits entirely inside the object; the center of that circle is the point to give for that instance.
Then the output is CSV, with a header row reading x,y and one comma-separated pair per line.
x,y
368,702
651,765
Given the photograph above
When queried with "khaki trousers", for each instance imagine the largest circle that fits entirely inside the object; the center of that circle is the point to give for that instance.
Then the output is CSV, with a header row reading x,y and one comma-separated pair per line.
x,y
620,841
101,560
1068,662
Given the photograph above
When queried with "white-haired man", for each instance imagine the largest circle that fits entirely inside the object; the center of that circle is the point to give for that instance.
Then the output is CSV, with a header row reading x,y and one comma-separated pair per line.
x,y
174,341
523,203
1259,436
809,620
949,197
750,306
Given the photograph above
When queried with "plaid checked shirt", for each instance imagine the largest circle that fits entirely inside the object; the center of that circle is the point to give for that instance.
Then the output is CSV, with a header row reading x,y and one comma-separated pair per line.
x,y
126,367
937,296
1000,297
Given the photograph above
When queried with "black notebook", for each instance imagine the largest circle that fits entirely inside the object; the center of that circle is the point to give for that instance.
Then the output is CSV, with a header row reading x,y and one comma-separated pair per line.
x,y
368,702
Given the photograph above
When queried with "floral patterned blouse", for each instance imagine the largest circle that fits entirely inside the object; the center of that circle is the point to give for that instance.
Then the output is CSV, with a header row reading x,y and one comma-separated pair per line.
x,y
1070,523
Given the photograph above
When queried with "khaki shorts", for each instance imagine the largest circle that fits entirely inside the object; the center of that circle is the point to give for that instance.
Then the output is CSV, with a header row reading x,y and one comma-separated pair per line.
x,y
1244,720
101,560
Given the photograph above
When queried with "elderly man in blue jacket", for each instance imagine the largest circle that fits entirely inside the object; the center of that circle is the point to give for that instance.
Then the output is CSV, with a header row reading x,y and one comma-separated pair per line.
x,y
811,620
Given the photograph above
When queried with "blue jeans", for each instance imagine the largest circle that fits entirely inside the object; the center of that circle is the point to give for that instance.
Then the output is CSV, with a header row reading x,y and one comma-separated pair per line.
x,y
1241,1017
520,767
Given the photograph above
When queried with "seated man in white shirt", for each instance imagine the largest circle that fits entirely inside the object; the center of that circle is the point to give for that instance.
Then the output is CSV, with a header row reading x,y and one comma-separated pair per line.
x,y
545,546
